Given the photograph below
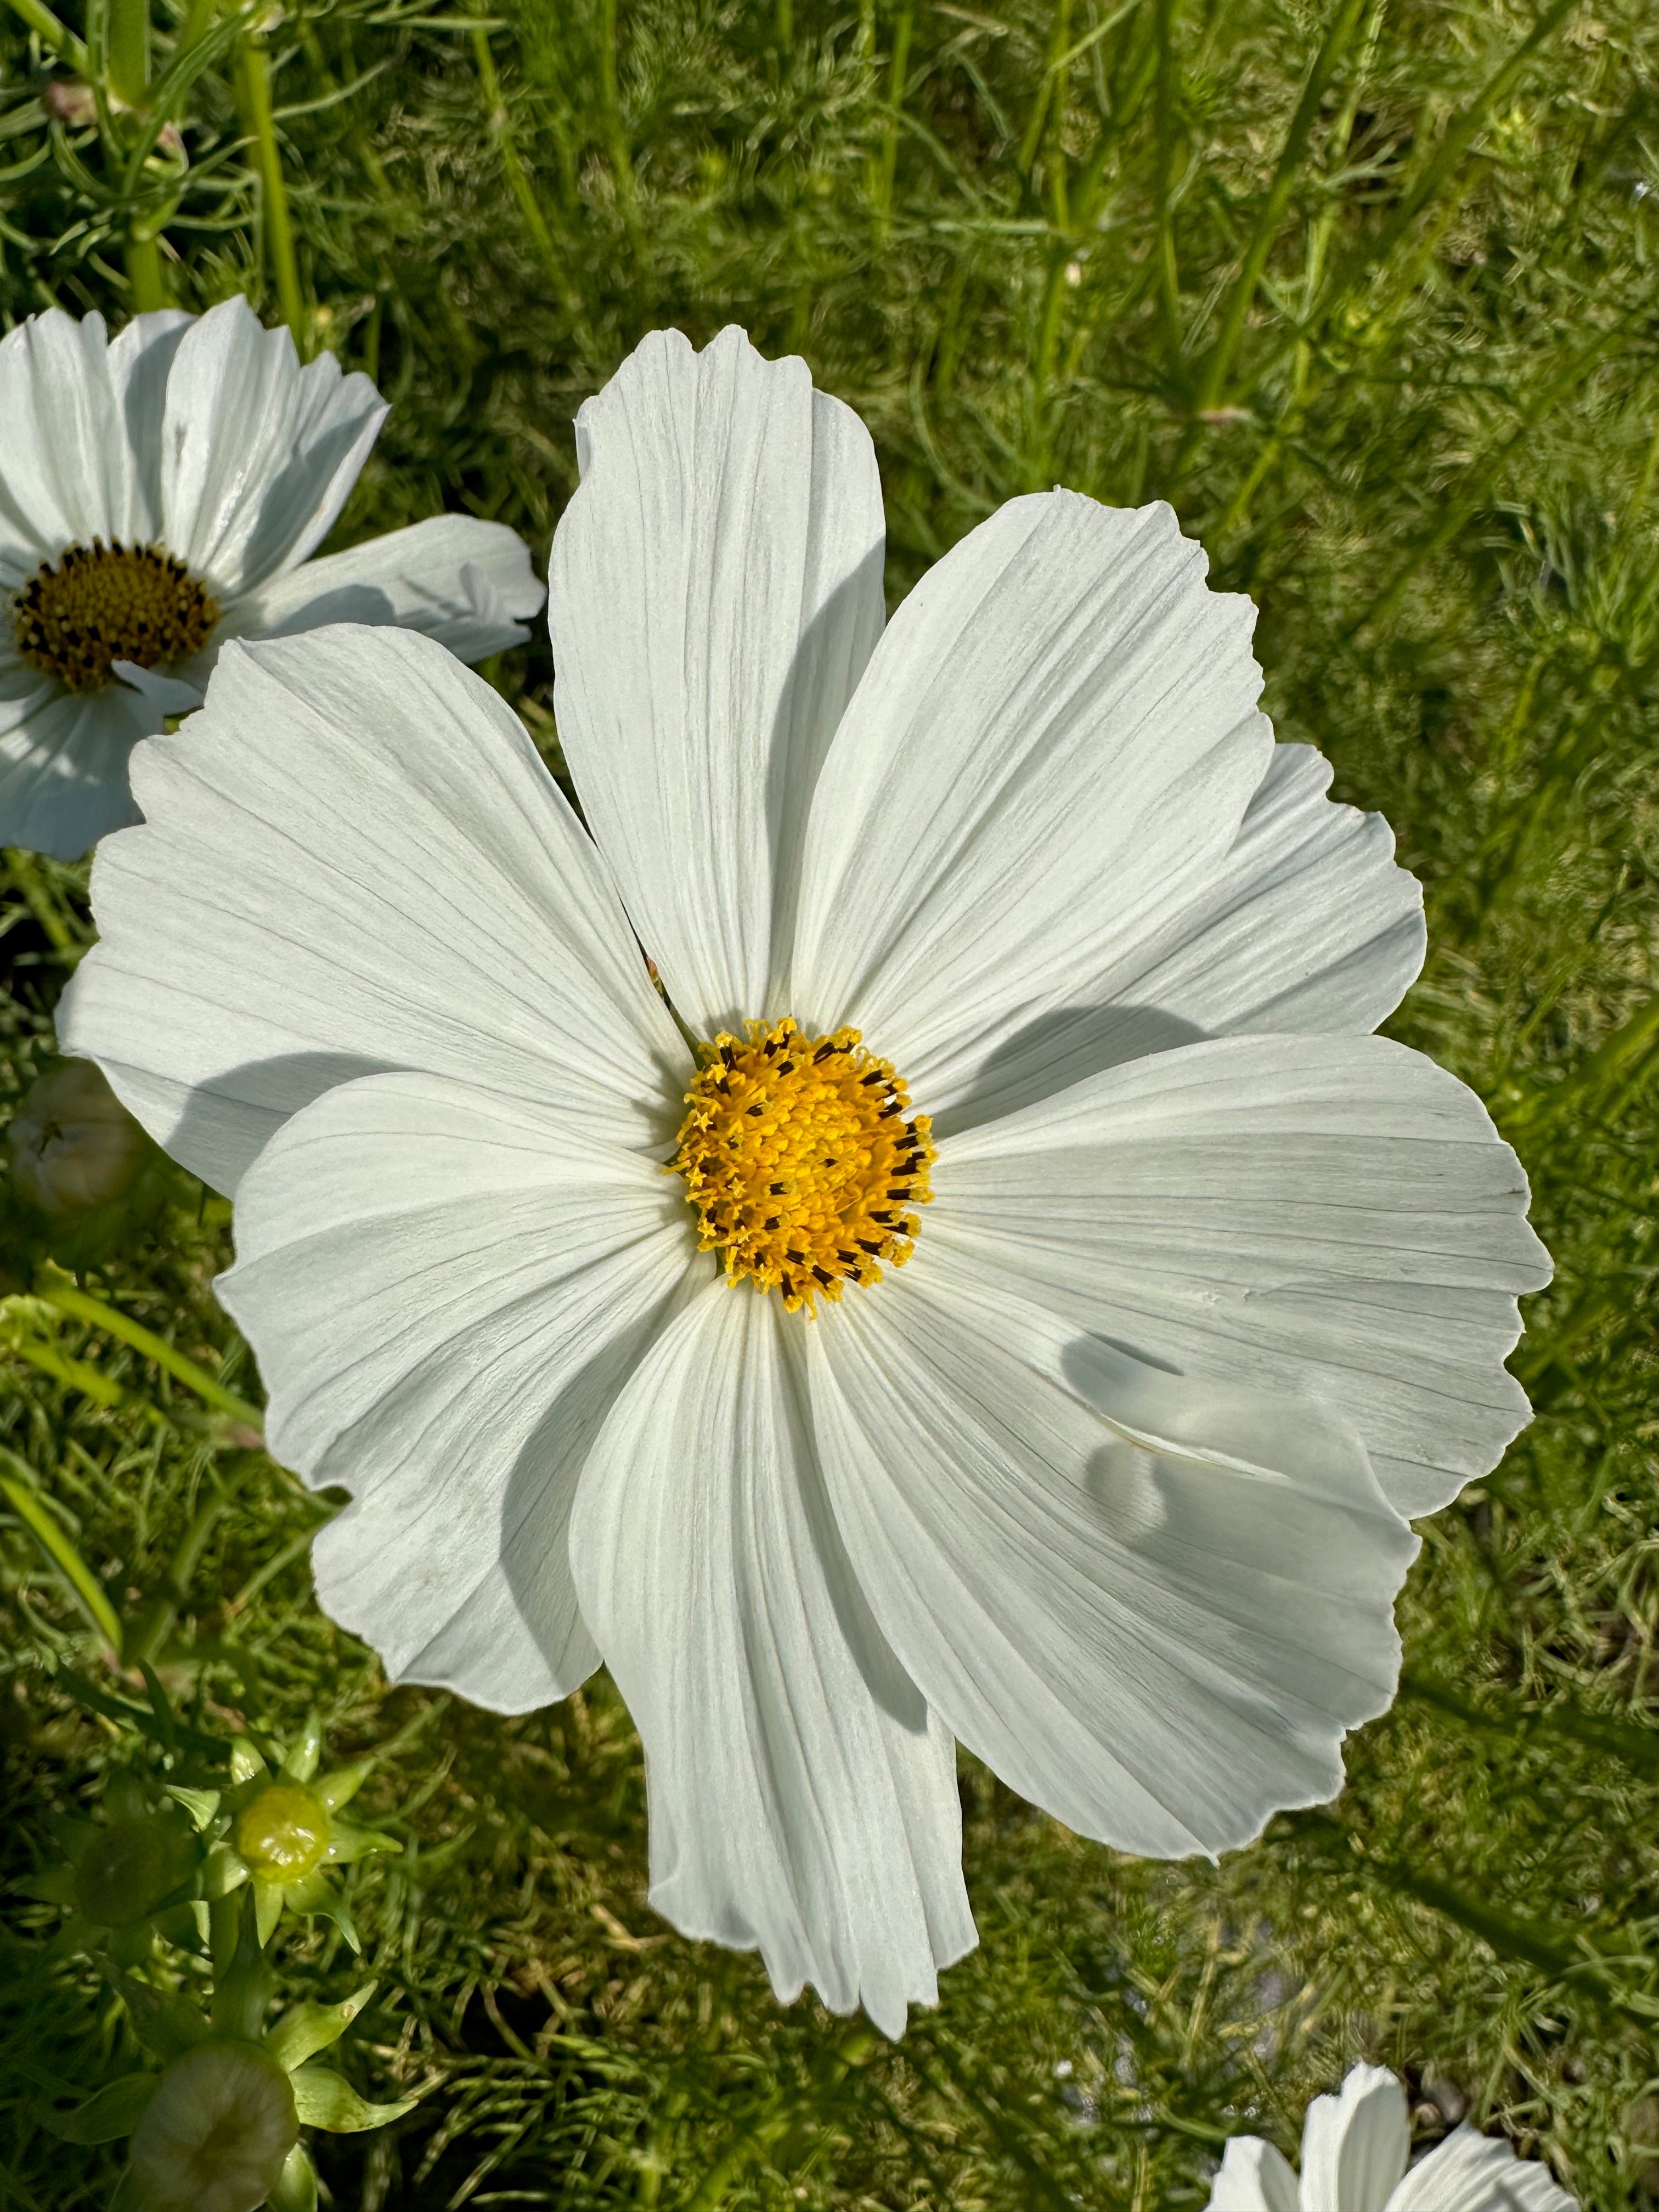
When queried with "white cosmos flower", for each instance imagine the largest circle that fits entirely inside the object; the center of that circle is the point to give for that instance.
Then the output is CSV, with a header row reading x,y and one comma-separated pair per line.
x,y
1104,1480
1354,2150
162,493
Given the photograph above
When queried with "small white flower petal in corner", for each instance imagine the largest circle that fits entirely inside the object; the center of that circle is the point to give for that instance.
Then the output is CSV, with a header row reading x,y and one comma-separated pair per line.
x,y
1108,1480
164,492
167,695
1355,2148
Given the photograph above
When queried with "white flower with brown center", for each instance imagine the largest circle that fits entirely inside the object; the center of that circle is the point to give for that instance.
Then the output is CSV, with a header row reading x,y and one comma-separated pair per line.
x,y
164,491
1020,1315
1355,2147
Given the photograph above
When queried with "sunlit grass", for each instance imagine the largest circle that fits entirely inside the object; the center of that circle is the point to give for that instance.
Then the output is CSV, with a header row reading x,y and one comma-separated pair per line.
x,y
1368,291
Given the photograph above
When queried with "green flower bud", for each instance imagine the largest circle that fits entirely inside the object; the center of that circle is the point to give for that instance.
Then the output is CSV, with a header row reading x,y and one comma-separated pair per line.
x,y
74,1145
216,2134
130,1867
283,1832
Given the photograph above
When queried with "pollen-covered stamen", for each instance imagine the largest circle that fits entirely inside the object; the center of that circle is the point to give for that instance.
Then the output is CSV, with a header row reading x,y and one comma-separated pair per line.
x,y
803,1160
100,604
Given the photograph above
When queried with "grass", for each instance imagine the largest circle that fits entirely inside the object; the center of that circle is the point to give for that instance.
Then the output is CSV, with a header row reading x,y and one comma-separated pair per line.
x,y
1366,289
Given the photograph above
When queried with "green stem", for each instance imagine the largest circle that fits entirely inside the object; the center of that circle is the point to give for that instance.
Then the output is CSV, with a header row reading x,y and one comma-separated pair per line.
x,y
1217,369
898,74
146,280
25,872
53,33
621,163
97,1314
253,101
129,51
27,1502
518,178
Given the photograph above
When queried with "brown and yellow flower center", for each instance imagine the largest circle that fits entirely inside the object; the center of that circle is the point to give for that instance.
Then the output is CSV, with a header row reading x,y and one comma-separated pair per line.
x,y
803,1160
100,604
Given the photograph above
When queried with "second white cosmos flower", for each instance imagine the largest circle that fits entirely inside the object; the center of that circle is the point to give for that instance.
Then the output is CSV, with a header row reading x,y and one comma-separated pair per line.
x,y
1117,1285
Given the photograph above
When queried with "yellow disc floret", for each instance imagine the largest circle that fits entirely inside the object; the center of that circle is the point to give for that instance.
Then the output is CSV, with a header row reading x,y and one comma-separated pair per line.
x,y
101,603
803,1160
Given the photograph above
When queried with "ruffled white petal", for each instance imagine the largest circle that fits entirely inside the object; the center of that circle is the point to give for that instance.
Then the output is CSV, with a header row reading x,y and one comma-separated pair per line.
x,y
67,472
446,1289
1472,2172
463,580
64,760
716,594
1057,733
1153,1612
1306,925
1354,2145
352,859
141,358
1253,2178
1329,1216
259,453
166,695
803,1798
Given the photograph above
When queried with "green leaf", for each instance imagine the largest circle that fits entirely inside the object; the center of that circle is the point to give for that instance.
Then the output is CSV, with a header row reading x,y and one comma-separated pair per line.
x,y
113,2113
244,1761
309,2028
267,1908
318,1895
244,1990
52,1886
167,2025
296,2185
347,1842
328,2101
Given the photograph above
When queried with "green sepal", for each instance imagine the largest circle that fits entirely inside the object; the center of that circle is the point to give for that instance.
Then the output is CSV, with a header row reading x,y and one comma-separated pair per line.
x,y
52,1886
202,1805
304,1753
267,1908
327,2100
166,2024
113,2113
129,1946
246,1763
342,1786
347,1842
222,1870
316,1894
72,1836
309,2028
183,1926
128,2197
296,2185
244,1987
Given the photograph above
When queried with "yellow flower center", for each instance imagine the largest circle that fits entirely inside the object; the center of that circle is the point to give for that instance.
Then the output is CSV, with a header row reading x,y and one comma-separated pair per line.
x,y
101,603
803,1160
283,1832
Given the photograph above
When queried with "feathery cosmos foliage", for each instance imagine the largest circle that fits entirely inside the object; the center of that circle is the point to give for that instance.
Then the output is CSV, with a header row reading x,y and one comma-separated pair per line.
x,y
1367,295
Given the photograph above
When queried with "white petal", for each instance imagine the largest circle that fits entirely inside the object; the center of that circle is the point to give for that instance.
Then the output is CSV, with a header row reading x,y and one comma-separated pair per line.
x,y
1306,925
352,859
140,363
259,453
716,594
1253,2178
466,582
803,1798
1159,1639
1333,1217
1472,2172
167,695
1059,725
1354,2145
66,472
446,1289
64,760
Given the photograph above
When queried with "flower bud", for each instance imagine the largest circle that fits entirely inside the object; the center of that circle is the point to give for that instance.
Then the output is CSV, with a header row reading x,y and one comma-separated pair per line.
x,y
74,1145
283,1832
130,1867
215,2135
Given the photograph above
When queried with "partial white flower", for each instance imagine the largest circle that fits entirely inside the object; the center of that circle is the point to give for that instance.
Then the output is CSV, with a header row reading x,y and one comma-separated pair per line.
x,y
162,492
1354,2150
1161,1277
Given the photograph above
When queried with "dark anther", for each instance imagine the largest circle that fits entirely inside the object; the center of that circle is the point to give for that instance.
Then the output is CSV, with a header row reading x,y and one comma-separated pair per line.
x,y
824,1275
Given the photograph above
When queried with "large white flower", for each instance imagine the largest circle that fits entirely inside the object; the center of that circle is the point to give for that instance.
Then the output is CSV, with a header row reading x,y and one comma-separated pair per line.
x,y
1100,1481
162,492
1354,2150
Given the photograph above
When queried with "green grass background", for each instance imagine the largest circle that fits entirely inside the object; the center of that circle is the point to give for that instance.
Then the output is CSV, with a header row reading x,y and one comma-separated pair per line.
x,y
1365,287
